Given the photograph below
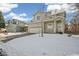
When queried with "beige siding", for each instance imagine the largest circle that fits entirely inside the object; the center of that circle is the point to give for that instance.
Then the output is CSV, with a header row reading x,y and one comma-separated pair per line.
x,y
49,23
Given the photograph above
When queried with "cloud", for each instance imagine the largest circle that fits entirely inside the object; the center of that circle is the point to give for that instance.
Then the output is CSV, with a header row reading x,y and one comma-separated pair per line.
x,y
10,15
71,11
7,7
53,7
63,6
22,16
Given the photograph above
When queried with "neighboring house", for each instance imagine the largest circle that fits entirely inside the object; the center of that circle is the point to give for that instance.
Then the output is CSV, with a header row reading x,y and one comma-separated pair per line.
x,y
66,28
49,22
15,25
75,24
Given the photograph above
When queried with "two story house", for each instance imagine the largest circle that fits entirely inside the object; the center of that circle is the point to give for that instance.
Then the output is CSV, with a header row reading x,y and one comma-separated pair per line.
x,y
49,22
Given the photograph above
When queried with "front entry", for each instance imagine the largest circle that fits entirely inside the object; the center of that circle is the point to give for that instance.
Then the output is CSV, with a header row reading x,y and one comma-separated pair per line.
x,y
48,27
58,26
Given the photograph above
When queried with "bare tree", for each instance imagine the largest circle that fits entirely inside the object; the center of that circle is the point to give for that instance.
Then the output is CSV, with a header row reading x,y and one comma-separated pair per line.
x,y
77,5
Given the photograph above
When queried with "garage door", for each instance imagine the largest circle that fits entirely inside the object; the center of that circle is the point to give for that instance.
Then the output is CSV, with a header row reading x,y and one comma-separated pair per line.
x,y
34,30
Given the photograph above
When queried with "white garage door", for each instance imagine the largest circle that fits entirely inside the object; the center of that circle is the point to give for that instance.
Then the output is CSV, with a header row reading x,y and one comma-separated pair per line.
x,y
34,30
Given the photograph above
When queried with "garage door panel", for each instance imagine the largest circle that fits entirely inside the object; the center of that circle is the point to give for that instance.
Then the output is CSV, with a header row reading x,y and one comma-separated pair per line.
x,y
34,30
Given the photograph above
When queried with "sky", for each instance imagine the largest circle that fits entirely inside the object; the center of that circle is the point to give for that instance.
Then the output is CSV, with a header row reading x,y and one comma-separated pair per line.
x,y
25,11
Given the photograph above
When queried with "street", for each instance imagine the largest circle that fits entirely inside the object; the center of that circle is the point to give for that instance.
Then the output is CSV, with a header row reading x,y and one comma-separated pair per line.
x,y
49,45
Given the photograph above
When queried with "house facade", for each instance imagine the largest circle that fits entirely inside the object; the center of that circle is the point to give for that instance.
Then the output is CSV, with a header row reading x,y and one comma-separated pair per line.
x,y
48,22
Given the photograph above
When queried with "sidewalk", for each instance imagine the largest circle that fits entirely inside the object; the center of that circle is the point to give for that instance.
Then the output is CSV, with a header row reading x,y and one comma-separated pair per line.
x,y
76,36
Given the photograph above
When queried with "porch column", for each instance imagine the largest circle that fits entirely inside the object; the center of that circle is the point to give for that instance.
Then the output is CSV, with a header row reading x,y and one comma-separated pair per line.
x,y
43,28
63,26
54,25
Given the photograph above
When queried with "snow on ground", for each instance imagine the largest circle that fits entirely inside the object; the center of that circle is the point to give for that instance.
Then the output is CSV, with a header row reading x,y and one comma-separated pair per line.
x,y
50,45
76,36
10,34
3,35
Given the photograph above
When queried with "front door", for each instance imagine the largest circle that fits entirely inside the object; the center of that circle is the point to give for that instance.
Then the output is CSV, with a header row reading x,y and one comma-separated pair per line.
x,y
58,27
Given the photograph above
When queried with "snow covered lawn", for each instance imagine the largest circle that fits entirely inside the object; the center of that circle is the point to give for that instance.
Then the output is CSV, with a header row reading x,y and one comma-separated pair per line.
x,y
50,45
10,34
4,35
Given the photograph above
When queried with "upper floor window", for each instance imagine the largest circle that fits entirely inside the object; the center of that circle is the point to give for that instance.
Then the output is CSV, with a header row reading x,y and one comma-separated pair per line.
x,y
14,22
45,15
38,17
50,17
